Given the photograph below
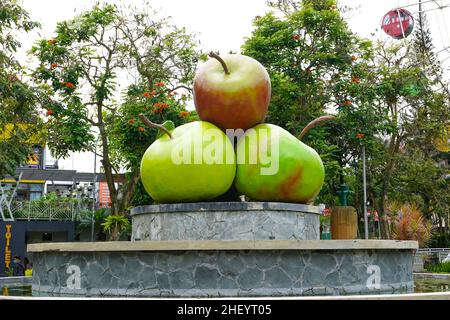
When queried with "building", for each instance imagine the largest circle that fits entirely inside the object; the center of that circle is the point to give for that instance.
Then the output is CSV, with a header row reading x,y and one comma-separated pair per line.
x,y
42,203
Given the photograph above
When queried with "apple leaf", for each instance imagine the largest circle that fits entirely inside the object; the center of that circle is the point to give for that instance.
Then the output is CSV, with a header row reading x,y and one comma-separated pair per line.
x,y
169,125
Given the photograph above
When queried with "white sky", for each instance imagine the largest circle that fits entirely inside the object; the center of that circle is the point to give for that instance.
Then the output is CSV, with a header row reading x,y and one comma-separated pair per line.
x,y
223,25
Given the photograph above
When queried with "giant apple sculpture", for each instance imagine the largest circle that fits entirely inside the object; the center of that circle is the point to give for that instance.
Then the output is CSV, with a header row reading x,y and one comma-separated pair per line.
x,y
193,162
232,91
273,165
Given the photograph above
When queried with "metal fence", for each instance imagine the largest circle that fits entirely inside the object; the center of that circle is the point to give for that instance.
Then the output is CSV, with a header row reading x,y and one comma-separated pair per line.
x,y
35,210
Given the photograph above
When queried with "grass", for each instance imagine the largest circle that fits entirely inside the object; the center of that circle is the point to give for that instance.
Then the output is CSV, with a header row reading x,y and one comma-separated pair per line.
x,y
443,267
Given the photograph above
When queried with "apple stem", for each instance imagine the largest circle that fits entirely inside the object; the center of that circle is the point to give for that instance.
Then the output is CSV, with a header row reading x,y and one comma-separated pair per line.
x,y
154,125
313,124
219,58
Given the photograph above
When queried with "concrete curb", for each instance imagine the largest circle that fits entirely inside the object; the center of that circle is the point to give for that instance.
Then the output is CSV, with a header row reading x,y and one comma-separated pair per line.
x,y
223,206
15,280
423,275
409,296
212,245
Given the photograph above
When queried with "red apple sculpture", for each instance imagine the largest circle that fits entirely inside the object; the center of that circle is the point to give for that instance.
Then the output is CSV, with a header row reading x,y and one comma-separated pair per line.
x,y
232,92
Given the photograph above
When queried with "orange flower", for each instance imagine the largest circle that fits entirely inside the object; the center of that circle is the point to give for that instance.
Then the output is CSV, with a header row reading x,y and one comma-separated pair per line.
x,y
348,103
141,129
52,41
131,121
356,80
296,37
49,112
146,94
360,135
161,105
53,65
184,114
160,84
69,85
154,92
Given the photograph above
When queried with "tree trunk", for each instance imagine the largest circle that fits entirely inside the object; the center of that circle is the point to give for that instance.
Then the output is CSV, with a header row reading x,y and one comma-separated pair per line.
x,y
115,233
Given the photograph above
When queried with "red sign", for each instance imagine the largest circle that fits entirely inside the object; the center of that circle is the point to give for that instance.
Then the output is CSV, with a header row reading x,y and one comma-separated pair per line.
x,y
104,198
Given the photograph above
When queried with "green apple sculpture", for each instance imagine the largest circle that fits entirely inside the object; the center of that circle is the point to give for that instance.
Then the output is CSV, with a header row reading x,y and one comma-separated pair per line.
x,y
194,162
232,91
273,165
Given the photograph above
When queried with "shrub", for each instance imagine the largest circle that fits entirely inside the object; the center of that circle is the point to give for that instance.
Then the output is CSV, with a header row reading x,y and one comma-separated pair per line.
x,y
443,267
440,240
114,225
409,224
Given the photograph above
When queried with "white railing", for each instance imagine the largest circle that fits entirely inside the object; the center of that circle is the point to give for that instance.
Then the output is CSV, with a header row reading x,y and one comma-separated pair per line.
x,y
441,253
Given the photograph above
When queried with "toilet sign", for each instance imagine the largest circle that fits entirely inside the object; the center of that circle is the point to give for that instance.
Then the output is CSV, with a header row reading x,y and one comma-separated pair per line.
x,y
7,254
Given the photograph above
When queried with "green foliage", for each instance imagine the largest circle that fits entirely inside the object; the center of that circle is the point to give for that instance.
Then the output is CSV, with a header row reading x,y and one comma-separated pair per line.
x,y
80,68
52,198
129,136
443,267
318,66
18,100
114,225
387,96
440,240
85,220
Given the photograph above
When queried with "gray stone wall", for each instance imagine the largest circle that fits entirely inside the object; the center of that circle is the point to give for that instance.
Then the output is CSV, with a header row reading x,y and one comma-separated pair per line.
x,y
196,273
226,221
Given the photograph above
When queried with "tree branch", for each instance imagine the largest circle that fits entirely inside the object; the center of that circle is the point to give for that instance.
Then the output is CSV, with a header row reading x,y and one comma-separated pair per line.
x,y
154,125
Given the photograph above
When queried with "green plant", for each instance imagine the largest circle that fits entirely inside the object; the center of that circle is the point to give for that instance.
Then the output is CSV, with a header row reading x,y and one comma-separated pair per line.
x,y
114,225
18,98
85,221
443,267
325,220
440,240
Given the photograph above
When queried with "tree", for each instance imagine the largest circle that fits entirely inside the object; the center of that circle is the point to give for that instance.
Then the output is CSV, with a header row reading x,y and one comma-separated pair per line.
x,y
379,93
82,67
317,66
18,100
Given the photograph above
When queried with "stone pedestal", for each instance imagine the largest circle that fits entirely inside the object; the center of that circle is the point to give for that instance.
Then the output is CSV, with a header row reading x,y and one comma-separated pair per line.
x,y
213,268
226,221
223,249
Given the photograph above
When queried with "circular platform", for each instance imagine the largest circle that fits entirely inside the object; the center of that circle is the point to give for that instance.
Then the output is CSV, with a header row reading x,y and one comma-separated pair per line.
x,y
267,268
226,221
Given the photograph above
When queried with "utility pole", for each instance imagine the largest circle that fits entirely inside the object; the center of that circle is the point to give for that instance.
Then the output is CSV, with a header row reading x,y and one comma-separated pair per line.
x,y
94,191
366,222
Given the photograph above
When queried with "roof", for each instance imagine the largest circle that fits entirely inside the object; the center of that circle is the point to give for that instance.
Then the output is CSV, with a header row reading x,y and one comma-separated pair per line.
x,y
40,175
